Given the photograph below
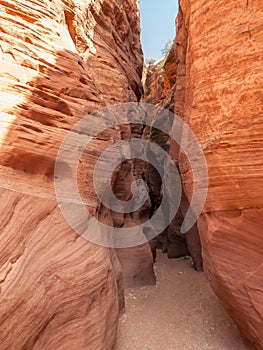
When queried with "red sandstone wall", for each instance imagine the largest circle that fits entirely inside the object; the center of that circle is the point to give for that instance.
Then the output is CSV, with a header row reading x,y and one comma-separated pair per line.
x,y
221,100
59,61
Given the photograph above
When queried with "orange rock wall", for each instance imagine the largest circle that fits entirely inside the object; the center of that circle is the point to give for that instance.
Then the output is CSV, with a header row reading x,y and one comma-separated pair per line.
x,y
220,96
59,61
154,83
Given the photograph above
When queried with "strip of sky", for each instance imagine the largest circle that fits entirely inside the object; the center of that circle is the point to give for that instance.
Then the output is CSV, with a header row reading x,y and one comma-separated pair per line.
x,y
158,25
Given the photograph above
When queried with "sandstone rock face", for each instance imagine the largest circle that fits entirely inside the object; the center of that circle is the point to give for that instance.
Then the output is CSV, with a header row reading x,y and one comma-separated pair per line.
x,y
60,61
160,88
154,83
160,79
171,240
213,80
219,93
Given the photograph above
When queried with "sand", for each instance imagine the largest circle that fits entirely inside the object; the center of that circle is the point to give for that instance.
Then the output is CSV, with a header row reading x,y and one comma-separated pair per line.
x,y
180,313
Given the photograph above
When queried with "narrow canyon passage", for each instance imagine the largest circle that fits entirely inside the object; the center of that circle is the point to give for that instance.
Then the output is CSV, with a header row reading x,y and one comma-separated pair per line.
x,y
79,153
180,313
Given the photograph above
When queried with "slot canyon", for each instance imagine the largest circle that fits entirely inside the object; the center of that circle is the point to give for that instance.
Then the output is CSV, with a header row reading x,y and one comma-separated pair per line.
x,y
64,60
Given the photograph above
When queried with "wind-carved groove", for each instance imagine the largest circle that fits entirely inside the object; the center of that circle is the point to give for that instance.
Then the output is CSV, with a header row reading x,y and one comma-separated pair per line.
x,y
69,18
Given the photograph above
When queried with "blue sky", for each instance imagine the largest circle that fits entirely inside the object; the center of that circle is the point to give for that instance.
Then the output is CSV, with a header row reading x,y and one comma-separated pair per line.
x,y
158,25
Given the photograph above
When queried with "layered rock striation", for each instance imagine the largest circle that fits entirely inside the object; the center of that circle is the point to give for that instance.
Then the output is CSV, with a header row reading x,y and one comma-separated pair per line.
x,y
163,87
153,82
218,92
60,61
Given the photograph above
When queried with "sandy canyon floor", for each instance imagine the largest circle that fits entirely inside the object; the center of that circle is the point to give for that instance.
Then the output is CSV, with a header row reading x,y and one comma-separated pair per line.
x,y
180,313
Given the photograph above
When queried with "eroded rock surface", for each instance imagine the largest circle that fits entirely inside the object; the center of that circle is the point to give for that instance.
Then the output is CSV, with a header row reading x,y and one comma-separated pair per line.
x,y
60,61
218,92
154,82
214,82
160,89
